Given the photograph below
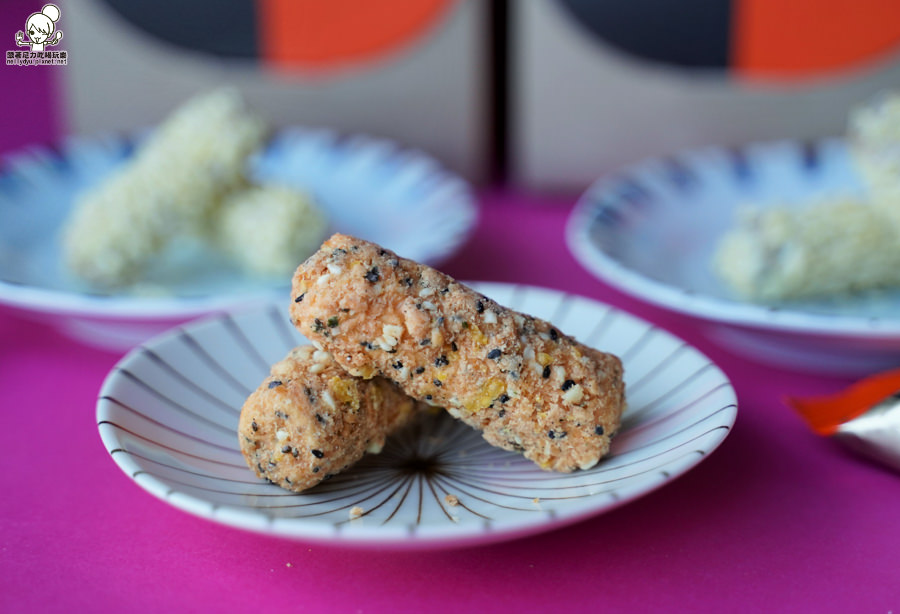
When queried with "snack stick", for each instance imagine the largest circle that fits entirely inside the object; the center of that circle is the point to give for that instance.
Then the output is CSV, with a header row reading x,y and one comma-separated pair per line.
x,y
167,190
524,384
828,248
310,419
268,229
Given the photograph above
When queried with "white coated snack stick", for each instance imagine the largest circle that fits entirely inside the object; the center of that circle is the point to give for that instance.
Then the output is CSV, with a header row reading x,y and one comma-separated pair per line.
x,y
268,229
827,248
873,135
168,189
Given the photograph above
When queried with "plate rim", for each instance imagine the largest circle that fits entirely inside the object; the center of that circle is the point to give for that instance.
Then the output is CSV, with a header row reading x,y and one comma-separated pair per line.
x,y
428,538
680,300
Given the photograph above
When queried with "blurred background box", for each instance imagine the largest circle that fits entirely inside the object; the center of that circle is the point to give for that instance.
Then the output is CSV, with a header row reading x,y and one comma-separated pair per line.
x,y
415,71
595,85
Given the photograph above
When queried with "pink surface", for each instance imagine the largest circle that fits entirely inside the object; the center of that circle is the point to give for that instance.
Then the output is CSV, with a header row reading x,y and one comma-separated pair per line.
x,y
774,520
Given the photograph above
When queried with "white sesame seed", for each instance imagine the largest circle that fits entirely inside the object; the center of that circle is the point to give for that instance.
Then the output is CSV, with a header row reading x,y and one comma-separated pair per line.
x,y
490,317
375,447
574,394
392,330
329,400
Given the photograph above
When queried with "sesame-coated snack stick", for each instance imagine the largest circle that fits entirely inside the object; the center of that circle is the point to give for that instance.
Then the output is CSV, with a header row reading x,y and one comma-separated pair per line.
x,y
519,380
310,419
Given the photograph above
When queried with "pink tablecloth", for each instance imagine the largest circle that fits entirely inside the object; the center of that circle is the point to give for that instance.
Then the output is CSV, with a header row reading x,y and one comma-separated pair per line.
x,y
774,520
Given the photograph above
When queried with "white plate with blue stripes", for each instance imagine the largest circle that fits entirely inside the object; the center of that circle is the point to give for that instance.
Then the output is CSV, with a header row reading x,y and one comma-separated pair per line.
x,y
370,188
650,230
168,415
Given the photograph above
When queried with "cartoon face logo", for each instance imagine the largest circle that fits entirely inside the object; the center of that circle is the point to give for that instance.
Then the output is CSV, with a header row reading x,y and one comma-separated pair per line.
x,y
41,28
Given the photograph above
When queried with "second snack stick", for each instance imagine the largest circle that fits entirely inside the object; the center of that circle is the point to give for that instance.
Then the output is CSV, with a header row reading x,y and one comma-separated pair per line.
x,y
523,383
310,419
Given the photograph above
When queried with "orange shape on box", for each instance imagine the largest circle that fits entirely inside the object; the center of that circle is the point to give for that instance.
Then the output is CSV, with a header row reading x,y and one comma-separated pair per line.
x,y
323,34
791,38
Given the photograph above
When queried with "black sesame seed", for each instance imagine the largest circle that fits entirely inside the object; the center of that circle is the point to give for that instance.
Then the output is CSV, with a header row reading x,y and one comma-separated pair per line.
x,y
546,372
453,346
501,413
567,384
318,326
315,470
503,398
551,434
479,307
281,414
254,426
300,298
274,383
425,342
438,382
420,370
554,334
445,290
441,361
320,418
259,466
408,282
285,449
494,354
382,252
373,275
440,321
397,365
317,453
427,397
295,452
332,321
598,430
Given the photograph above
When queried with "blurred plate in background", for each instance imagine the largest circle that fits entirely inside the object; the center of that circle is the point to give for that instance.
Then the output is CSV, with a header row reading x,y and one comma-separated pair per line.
x,y
651,230
369,188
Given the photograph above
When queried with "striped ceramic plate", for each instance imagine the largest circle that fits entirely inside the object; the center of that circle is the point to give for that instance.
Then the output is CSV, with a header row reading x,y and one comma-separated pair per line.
x,y
168,415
